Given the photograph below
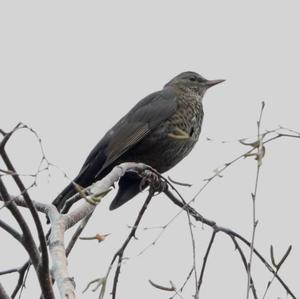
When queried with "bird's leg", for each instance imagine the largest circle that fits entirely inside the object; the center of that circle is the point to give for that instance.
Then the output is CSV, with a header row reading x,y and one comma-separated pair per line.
x,y
150,178
93,199
179,134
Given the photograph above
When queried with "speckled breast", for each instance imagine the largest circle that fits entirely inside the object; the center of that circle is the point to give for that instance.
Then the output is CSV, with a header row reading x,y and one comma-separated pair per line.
x,y
161,151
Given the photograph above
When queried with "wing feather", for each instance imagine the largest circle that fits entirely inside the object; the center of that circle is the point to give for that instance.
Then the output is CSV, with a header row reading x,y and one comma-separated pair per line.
x,y
145,116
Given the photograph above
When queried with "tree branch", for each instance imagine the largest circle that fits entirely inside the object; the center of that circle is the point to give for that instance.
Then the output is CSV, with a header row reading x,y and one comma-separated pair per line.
x,y
42,267
11,231
3,294
120,252
229,232
61,222
27,236
205,261
242,255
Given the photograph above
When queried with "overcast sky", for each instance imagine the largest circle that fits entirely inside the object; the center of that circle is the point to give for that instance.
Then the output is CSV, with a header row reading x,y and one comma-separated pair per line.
x,y
71,69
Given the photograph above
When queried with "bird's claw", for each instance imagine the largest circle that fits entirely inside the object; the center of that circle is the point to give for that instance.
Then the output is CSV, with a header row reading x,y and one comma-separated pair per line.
x,y
152,179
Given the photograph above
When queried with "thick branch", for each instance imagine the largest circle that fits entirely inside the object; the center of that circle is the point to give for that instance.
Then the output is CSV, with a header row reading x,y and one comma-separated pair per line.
x,y
27,236
3,294
61,222
42,267
41,235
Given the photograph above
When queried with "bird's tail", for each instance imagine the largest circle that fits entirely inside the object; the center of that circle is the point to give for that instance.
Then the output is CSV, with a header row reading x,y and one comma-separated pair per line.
x,y
129,186
60,200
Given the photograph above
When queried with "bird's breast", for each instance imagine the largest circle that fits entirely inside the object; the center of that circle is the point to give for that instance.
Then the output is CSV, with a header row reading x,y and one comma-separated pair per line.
x,y
173,139
188,117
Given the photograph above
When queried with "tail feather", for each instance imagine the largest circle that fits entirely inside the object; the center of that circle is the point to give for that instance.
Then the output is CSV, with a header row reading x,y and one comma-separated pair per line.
x,y
129,186
60,200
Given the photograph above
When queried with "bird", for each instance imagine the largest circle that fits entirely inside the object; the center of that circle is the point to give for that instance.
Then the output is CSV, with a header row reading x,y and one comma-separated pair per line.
x,y
160,130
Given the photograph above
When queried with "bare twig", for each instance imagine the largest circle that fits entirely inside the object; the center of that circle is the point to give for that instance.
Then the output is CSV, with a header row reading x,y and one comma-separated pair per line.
x,y
11,231
119,254
77,233
229,232
163,288
43,267
244,260
172,288
6,136
75,216
179,183
27,236
45,261
277,266
205,261
2,132
22,271
185,282
278,135
259,155
101,282
20,202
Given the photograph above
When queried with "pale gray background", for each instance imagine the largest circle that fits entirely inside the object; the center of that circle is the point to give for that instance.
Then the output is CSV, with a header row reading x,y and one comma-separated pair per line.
x,y
71,69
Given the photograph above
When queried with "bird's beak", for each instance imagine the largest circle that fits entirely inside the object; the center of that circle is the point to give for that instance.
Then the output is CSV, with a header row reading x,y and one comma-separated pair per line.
x,y
210,83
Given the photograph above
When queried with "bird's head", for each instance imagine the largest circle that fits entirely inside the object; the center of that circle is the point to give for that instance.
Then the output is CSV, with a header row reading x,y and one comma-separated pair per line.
x,y
192,82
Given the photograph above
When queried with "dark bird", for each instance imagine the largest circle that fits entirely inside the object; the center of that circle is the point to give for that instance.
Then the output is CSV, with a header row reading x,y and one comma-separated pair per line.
x,y
159,131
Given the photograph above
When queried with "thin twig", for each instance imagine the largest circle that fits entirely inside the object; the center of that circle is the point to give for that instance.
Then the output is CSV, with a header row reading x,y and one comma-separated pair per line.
x,y
244,260
205,261
216,175
277,266
101,282
119,254
229,232
179,183
11,231
190,229
28,238
22,271
43,267
33,211
77,233
185,282
2,132
259,156
160,287
23,281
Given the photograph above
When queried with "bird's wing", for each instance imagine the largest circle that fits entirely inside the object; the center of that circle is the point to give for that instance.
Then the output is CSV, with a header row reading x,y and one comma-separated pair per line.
x,y
146,115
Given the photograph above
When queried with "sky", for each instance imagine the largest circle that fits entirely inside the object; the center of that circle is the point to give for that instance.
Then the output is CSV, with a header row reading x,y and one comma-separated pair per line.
x,y
71,69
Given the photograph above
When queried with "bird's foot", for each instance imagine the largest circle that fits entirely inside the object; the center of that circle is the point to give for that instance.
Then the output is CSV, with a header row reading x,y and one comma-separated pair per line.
x,y
152,179
95,198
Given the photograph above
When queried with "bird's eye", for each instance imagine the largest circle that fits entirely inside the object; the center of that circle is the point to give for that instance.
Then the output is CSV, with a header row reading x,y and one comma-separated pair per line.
x,y
193,79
